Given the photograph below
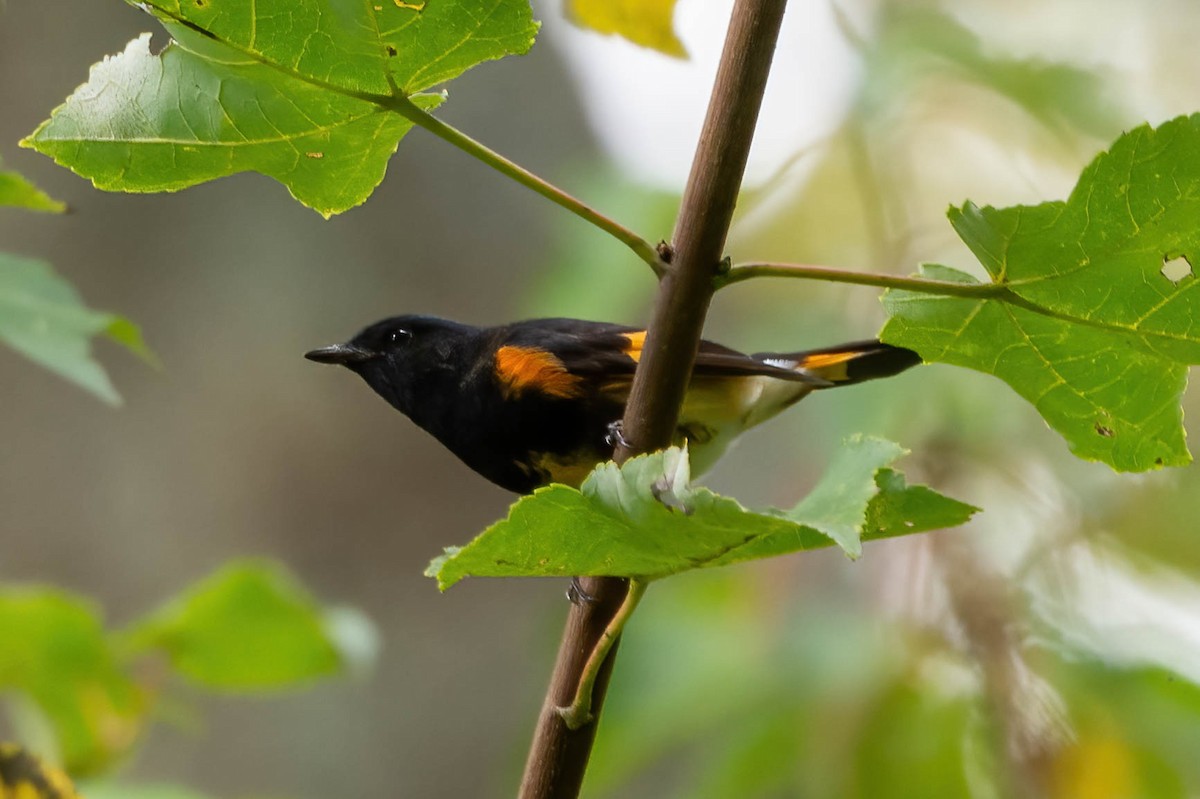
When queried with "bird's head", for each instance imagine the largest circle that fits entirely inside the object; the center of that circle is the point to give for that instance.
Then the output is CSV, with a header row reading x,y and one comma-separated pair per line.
x,y
397,355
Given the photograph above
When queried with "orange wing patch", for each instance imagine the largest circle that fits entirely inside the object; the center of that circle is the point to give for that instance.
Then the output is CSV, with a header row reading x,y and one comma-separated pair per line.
x,y
528,368
636,342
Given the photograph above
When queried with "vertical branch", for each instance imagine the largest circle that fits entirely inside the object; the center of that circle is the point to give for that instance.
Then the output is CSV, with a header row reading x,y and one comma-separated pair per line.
x,y
673,336
559,755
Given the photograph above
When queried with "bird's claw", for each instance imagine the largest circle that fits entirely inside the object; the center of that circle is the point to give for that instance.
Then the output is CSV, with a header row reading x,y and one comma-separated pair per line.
x,y
616,435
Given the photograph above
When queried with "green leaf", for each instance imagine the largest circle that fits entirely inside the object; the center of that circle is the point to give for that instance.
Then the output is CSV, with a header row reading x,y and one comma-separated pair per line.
x,y
837,506
361,47
55,652
149,123
644,520
1079,316
18,192
42,317
250,626
309,92
648,23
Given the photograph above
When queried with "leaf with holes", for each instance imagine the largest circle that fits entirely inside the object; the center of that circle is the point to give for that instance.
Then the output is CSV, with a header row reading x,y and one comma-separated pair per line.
x,y
314,93
1092,312
645,520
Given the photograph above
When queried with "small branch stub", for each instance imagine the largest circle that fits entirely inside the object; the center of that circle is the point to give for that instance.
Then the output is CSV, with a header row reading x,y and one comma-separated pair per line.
x,y
579,712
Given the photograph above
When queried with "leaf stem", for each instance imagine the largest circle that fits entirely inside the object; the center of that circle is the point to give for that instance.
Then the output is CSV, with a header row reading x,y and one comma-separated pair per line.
x,y
746,271
419,116
579,712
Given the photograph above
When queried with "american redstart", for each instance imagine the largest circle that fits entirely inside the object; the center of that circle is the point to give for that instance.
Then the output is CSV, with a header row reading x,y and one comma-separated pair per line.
x,y
535,402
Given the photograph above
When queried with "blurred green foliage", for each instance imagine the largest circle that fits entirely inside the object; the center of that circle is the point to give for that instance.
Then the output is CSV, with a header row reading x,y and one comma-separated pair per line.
x,y
43,318
249,627
917,43
59,656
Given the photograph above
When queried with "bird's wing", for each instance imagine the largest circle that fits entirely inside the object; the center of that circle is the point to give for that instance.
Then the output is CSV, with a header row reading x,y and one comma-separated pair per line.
x,y
560,356
613,351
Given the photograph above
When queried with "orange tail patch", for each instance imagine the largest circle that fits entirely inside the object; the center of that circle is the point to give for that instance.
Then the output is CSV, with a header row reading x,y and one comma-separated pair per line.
x,y
522,369
636,342
830,365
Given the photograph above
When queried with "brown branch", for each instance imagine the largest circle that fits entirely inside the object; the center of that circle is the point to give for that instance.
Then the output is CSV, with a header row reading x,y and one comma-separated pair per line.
x,y
558,756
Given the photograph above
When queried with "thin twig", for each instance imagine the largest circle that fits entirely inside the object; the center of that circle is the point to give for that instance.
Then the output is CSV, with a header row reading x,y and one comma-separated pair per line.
x,y
948,288
420,117
579,712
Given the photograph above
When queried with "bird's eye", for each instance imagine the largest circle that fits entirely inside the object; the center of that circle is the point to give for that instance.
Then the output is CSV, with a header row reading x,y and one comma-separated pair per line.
x,y
399,335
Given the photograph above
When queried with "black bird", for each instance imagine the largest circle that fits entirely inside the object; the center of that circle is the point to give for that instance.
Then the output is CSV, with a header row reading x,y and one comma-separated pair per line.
x,y
534,402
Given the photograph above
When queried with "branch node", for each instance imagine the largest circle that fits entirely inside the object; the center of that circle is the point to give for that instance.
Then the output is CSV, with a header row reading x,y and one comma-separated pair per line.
x,y
665,251
575,717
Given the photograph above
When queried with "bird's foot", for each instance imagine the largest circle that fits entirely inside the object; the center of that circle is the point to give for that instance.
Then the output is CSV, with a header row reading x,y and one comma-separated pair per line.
x,y
616,435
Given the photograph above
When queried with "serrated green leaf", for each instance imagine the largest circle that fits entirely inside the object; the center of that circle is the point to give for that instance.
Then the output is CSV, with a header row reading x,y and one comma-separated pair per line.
x,y
55,651
16,191
645,520
249,626
837,506
649,23
42,317
1079,317
148,123
309,92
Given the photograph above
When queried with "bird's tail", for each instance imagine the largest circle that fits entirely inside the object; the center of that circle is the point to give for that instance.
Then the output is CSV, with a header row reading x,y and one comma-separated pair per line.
x,y
846,364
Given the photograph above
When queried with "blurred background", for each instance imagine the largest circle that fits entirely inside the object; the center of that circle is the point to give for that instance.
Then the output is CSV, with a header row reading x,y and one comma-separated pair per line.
x,y
1052,645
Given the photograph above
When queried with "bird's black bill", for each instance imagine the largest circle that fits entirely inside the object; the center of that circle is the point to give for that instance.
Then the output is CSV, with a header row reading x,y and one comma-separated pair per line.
x,y
344,354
